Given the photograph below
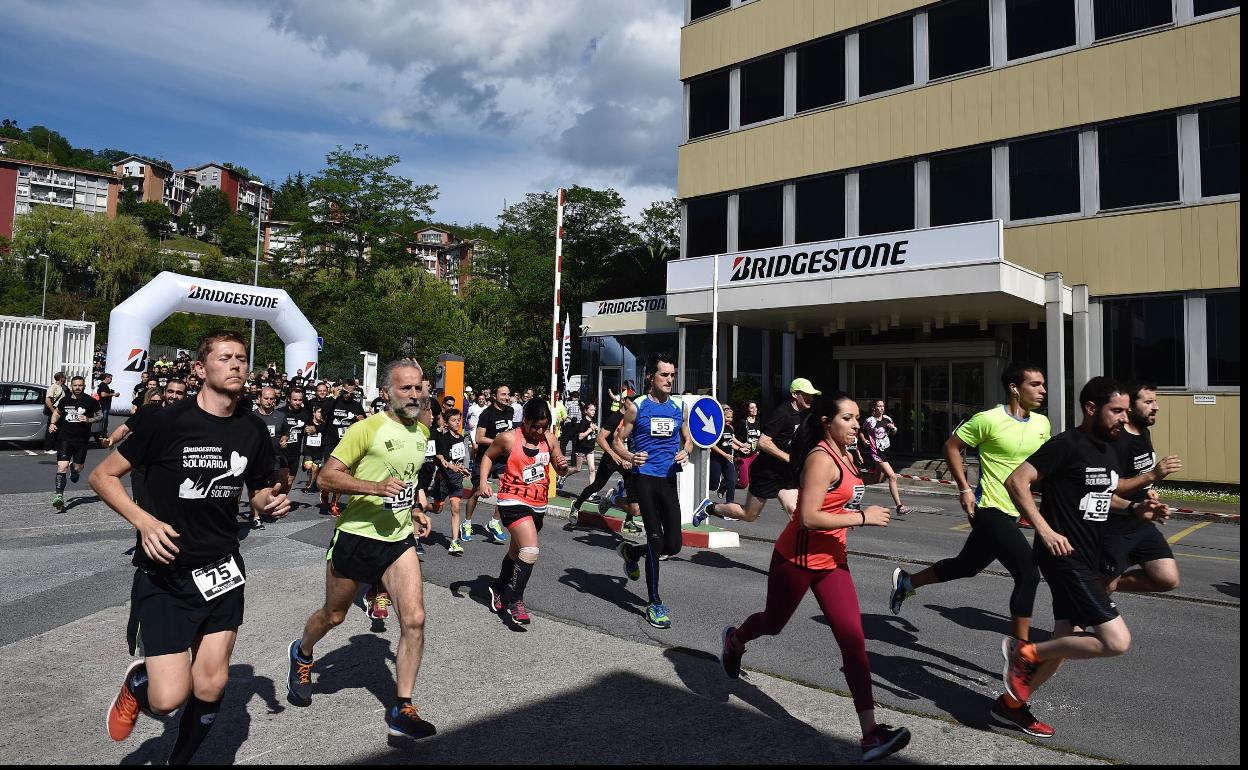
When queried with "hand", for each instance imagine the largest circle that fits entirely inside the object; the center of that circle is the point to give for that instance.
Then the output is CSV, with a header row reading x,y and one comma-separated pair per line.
x,y
483,490
278,505
1057,544
1168,465
876,516
282,442
625,464
967,499
460,469
1152,494
157,539
561,463
639,459
1153,510
682,457
309,430
420,523
106,442
391,487
52,428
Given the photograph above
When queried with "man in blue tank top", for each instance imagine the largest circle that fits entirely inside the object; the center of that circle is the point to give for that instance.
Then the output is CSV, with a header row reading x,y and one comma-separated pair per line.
x,y
659,428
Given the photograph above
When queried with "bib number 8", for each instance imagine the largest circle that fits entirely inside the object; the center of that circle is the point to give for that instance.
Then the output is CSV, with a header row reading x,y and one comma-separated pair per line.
x,y
532,474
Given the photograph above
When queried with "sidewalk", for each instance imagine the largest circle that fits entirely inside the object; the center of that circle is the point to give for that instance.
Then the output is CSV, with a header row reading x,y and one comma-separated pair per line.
x,y
558,693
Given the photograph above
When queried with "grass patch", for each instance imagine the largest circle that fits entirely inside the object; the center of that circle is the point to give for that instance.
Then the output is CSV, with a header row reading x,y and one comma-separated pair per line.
x,y
186,243
1197,494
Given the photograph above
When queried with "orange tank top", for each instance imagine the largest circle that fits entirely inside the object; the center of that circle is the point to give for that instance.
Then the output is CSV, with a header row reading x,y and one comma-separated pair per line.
x,y
823,549
523,480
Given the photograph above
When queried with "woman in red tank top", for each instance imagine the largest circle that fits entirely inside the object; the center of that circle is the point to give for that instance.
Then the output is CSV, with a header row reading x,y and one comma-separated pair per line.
x,y
810,556
527,454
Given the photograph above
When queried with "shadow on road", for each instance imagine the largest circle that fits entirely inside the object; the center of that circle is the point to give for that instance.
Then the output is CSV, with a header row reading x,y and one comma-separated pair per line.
x,y
74,502
720,561
609,588
1229,589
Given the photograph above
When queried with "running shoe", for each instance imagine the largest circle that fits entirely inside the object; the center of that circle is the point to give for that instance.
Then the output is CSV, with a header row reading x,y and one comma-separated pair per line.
x,y
729,659
595,498
465,532
378,604
700,514
496,599
420,548
58,502
496,529
902,590
882,741
518,613
1021,718
903,510
299,678
631,567
631,525
455,549
73,476
333,509
608,500
1018,670
124,710
574,519
656,615
257,524
405,722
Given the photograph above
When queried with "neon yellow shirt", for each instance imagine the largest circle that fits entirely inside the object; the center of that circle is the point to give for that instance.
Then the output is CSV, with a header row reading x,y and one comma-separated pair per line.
x,y
374,449
1004,442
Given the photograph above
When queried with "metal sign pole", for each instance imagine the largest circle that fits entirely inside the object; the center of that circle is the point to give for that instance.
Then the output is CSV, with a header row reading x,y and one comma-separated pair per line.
x,y
706,466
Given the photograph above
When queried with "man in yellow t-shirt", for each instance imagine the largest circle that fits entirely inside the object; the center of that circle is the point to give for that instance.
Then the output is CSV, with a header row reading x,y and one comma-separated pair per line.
x,y
377,462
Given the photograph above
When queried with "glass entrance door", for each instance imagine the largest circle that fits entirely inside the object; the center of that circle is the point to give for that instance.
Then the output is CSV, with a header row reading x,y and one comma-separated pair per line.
x,y
933,405
899,402
612,378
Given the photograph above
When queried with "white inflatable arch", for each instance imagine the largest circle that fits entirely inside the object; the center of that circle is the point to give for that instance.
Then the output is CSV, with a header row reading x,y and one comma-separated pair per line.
x,y
130,324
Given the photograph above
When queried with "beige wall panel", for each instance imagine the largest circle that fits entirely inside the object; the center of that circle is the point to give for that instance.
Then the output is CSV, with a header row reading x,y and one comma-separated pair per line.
x,y
1207,438
1228,248
1163,70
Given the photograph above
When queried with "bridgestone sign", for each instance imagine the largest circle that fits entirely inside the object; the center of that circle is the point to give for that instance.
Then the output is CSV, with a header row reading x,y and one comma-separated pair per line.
x,y
232,297
635,305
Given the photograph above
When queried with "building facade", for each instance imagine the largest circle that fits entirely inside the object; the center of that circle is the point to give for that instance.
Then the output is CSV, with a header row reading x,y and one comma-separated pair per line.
x,y
247,196
1096,141
25,183
445,256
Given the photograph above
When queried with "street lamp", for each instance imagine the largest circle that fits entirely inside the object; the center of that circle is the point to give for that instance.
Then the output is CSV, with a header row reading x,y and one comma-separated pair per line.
x,y
43,309
255,281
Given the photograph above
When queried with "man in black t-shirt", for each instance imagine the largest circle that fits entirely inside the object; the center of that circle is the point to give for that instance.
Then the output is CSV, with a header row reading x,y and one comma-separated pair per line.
x,y
1129,539
495,419
71,423
105,394
189,582
338,415
298,425
379,404
175,391
1080,479
612,462
145,381
275,423
314,444
771,475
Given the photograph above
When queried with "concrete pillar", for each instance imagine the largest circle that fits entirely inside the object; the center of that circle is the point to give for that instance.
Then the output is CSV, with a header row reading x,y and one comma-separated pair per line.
x,y
788,354
1054,333
1082,343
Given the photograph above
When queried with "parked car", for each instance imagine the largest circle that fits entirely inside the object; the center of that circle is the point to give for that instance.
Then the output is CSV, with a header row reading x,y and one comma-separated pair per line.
x,y
21,411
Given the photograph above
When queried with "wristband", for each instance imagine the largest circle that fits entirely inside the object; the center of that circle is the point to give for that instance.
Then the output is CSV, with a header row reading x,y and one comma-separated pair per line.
x,y
964,491
864,518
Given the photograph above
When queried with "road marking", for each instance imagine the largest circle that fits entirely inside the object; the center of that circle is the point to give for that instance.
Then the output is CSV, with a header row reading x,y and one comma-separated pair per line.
x,y
1202,556
961,527
1179,536
32,453
58,526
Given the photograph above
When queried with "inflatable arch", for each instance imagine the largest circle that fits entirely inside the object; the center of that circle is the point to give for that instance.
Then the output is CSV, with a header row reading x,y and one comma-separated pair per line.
x,y
130,324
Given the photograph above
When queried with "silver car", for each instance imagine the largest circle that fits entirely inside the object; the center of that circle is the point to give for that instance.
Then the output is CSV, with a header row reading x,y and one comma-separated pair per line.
x,y
21,411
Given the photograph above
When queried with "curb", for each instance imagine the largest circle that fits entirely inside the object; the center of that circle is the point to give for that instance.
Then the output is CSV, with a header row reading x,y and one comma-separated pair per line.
x,y
690,537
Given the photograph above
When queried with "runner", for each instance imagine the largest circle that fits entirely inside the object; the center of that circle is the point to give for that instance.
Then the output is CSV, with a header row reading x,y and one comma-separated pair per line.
x,y
275,422
296,428
188,588
1005,436
379,404
377,463
810,556
105,394
1129,539
452,456
56,391
1079,478
662,445
878,433
71,423
314,444
586,438
340,413
771,475
723,456
612,462
523,488
494,419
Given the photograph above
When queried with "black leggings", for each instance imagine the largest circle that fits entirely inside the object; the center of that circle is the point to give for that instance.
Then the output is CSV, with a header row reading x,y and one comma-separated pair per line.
x,y
995,535
660,513
601,477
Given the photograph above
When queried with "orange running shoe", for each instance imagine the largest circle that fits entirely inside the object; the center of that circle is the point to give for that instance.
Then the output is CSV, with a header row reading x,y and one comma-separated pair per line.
x,y
124,710
1020,667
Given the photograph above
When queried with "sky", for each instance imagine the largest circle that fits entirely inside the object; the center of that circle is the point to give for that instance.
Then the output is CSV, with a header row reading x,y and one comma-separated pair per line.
x,y
487,99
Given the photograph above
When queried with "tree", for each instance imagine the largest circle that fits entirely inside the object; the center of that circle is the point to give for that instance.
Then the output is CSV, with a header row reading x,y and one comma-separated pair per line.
x,y
128,201
123,258
237,237
154,217
240,170
9,129
209,209
27,151
290,200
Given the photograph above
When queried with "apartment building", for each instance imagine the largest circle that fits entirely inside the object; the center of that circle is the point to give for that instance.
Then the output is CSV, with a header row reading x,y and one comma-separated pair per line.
x,y
444,255
24,183
154,180
246,196
282,242
898,197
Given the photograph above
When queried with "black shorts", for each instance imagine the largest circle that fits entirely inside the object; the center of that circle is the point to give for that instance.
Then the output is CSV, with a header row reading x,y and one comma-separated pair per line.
x,y
167,612
364,559
512,515
1079,596
495,471
448,485
292,460
424,478
314,453
767,486
1136,545
71,450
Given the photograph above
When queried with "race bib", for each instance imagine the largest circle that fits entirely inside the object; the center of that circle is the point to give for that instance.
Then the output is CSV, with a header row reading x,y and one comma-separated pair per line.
x,y
403,500
430,449
314,439
883,442
457,452
532,474
272,430
219,578
662,427
293,436
74,415
1095,506
341,431
856,502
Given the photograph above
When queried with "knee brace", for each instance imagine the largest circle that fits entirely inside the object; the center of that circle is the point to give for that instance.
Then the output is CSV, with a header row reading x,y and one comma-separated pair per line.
x,y
528,554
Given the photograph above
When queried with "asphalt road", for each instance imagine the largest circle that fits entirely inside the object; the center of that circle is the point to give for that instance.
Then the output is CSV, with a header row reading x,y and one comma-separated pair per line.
x,y
940,658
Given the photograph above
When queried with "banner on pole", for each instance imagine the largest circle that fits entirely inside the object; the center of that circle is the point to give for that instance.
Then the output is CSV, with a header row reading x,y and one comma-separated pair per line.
x,y
567,348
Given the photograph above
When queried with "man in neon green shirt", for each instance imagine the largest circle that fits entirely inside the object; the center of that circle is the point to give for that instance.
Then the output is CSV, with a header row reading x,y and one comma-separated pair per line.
x,y
377,462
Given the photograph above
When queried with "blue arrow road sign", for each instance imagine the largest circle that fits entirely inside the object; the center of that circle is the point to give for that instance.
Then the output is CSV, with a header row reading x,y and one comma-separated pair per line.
x,y
320,344
706,421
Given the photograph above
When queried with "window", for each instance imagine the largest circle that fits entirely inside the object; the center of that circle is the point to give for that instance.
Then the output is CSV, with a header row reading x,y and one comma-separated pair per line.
x,y
886,56
1036,26
1139,162
820,214
1144,340
708,105
961,187
958,38
886,199
1118,17
821,74
1222,327
706,226
762,90
700,8
1202,7
20,394
1219,150
760,218
1044,176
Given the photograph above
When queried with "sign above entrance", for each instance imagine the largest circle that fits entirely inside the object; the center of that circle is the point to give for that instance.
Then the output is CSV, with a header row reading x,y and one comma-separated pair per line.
x,y
975,243
655,304
706,422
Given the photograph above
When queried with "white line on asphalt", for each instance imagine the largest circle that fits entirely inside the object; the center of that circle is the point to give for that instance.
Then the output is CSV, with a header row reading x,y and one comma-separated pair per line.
x,y
57,526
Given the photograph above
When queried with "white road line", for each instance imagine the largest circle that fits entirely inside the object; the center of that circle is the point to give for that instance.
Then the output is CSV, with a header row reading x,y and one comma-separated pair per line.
x,y
60,526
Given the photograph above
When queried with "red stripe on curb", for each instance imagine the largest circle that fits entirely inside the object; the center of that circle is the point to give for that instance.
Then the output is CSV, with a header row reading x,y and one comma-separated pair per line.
x,y
615,523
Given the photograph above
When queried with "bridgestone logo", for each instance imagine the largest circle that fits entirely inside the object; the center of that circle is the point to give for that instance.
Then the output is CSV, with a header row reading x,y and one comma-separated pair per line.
x,y
232,297
852,258
650,305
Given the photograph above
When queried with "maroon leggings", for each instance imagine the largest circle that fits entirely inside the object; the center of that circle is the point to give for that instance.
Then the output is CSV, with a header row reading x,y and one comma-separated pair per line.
x,y
787,584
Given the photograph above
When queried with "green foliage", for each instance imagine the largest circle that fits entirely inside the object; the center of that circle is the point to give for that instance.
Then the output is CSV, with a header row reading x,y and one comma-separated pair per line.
x,y
128,201
27,151
210,209
237,237
154,217
43,145
290,200
243,170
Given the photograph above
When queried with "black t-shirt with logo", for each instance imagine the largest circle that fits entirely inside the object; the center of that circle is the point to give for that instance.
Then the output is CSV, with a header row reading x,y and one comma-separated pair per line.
x,y
1079,474
275,423
726,439
342,412
1135,456
379,404
294,422
195,465
76,413
134,421
781,427
585,445
450,447
105,396
748,432
493,421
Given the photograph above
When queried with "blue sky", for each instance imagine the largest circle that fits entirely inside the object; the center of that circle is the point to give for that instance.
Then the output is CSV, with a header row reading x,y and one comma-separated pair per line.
x,y
488,99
